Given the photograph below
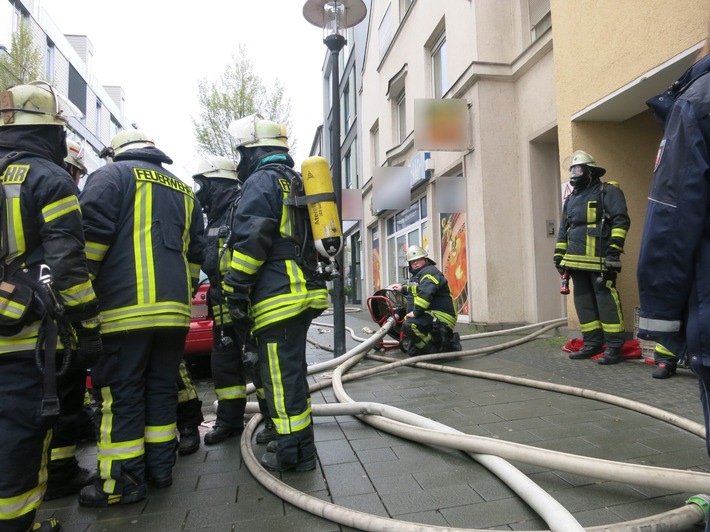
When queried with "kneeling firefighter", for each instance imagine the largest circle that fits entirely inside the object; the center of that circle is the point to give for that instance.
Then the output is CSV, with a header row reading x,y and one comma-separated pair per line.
x,y
45,285
432,307
273,286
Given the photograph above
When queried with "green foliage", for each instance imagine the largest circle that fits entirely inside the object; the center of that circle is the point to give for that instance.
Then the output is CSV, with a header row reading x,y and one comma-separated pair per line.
x,y
238,92
24,62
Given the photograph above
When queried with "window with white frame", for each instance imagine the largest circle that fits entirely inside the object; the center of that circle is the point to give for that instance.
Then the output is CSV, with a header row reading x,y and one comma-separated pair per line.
x,y
404,7
404,229
438,68
345,118
540,17
49,61
97,120
375,144
401,116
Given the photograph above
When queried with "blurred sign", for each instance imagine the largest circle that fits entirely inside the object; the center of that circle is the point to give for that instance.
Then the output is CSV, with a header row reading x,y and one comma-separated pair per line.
x,y
441,125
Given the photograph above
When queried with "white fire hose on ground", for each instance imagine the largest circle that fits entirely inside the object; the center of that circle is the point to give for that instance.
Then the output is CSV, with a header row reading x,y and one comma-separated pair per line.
x,y
487,451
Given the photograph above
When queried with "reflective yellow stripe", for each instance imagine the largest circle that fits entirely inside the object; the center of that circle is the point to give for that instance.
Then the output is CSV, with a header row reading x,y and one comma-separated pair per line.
x,y
188,392
590,326
245,263
160,433
618,232
231,392
95,251
143,243
29,501
60,453
59,208
279,400
78,294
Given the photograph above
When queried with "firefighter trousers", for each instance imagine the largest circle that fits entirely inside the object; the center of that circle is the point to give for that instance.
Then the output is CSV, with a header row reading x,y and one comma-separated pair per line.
x,y
228,376
136,381
601,320
189,409
24,441
71,390
283,370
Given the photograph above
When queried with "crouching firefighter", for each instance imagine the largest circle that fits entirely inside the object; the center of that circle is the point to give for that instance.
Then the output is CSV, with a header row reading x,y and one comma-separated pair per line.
x,y
428,326
273,285
47,302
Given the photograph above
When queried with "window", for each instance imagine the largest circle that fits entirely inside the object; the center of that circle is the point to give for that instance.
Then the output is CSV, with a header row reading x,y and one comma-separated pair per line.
x,y
540,17
345,110
401,116
404,7
384,31
375,145
404,229
97,120
438,68
77,89
49,61
347,176
349,168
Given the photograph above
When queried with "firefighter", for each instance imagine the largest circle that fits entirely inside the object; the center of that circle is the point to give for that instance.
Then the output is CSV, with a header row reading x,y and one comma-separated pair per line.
x,y
144,244
589,244
269,289
66,477
219,192
674,259
41,225
429,296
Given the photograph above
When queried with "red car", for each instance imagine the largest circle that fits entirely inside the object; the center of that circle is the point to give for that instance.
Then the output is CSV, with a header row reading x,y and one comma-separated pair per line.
x,y
199,338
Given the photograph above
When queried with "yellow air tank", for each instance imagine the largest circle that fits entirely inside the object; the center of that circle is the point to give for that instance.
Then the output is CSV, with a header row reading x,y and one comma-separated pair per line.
x,y
323,213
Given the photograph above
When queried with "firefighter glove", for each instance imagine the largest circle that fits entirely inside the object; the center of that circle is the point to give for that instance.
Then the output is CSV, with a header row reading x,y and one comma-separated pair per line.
x,y
89,344
239,311
613,263
558,260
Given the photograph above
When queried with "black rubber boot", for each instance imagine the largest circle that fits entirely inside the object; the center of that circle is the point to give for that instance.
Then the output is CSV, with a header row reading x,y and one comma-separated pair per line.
x,y
222,432
189,440
94,497
69,483
663,371
612,355
587,351
291,451
268,434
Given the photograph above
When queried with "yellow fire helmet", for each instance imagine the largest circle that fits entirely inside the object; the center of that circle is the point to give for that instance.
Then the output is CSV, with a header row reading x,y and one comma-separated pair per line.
x,y
75,155
130,139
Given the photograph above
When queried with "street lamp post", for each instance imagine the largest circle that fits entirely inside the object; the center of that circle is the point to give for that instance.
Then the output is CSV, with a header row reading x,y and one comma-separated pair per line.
x,y
334,17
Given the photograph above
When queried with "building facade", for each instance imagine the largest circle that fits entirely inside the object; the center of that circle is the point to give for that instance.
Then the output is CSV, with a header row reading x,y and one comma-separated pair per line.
x,y
68,67
495,242
528,108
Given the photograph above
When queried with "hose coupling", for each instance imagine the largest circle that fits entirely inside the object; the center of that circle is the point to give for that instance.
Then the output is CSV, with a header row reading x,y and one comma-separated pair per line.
x,y
703,501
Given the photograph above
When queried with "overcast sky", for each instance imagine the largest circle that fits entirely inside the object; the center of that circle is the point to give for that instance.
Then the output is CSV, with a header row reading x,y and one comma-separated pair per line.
x,y
157,50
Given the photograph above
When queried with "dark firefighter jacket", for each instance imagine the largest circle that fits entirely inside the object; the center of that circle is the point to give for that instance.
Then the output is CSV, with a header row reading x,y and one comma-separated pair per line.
x,y
431,294
144,242
278,288
218,257
674,262
593,226
43,223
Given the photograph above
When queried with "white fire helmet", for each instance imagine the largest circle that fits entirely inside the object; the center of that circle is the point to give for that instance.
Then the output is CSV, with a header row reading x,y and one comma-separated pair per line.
x,y
254,130
36,103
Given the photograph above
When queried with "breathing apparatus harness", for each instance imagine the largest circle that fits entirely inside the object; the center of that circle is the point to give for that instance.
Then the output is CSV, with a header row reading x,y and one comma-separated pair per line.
x,y
46,302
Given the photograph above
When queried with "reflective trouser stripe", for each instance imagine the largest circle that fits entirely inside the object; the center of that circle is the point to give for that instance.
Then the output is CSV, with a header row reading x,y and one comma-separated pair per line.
x,y
62,453
160,434
29,501
232,392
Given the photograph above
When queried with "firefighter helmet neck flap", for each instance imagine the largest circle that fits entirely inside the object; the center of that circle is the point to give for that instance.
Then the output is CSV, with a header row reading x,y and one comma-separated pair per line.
x,y
213,176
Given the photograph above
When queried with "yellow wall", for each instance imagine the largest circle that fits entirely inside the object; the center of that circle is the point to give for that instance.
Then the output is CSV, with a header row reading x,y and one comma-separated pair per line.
x,y
599,47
